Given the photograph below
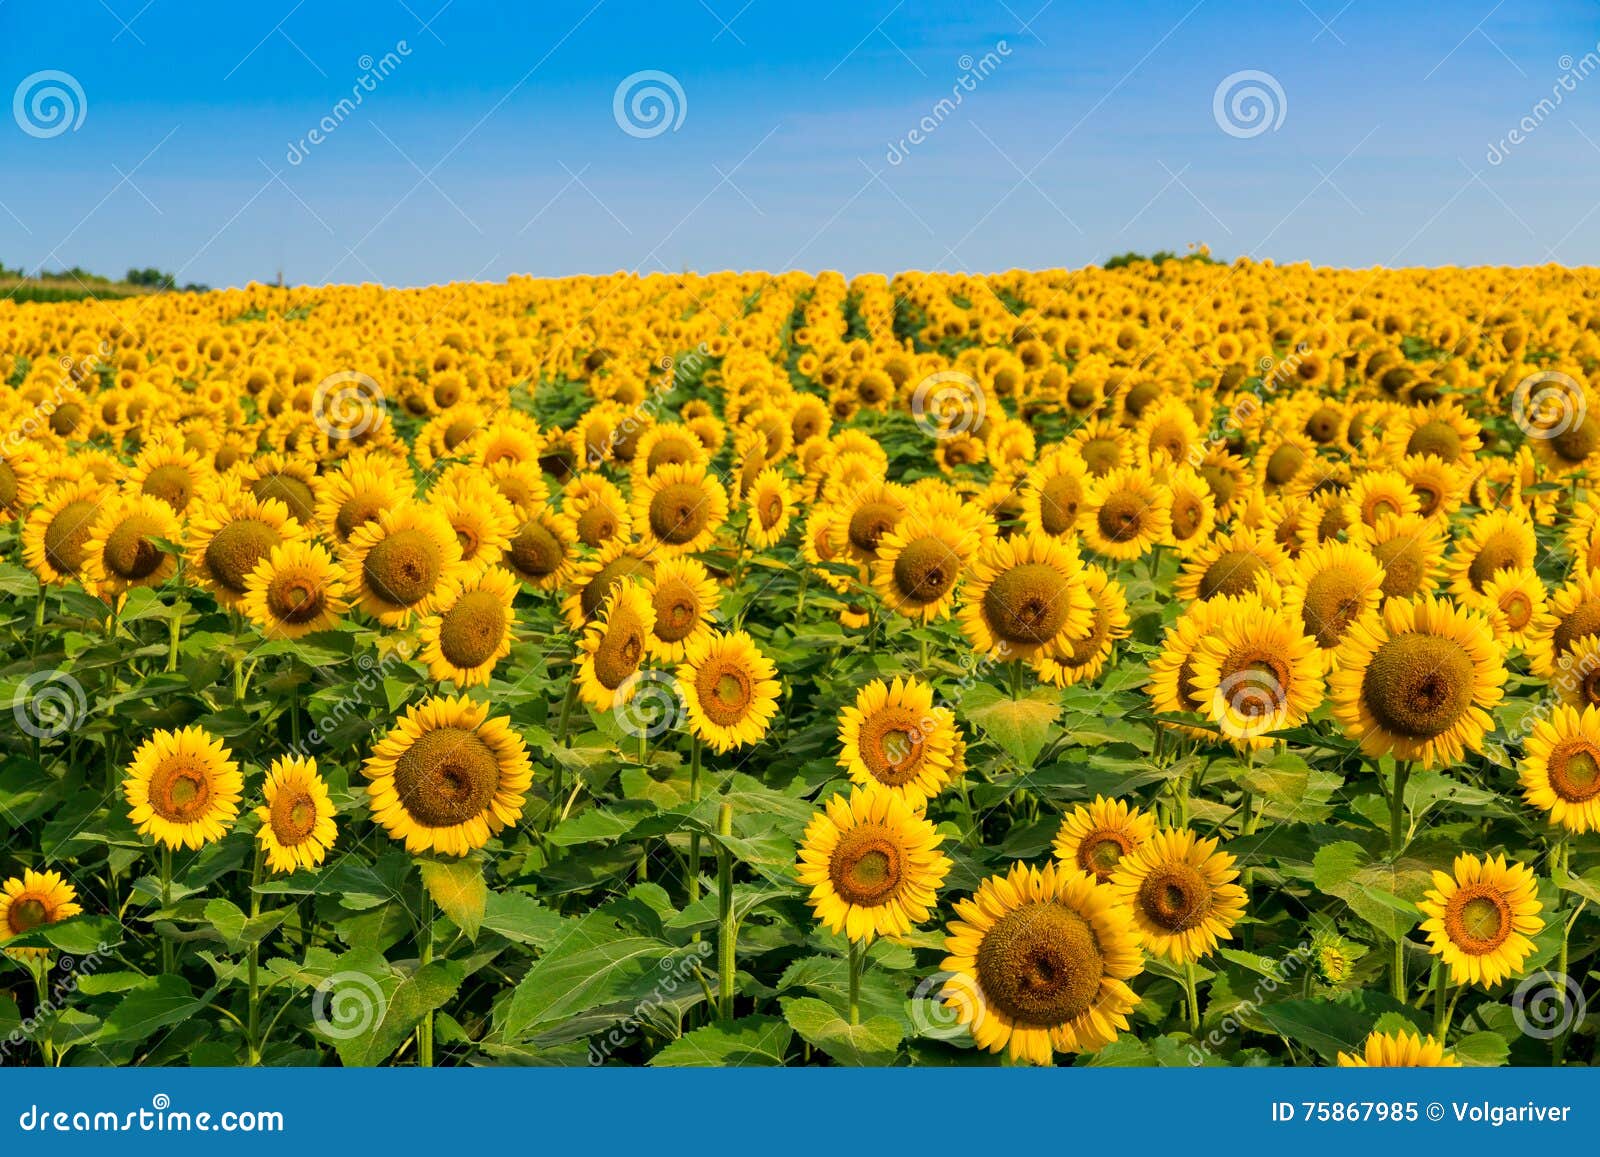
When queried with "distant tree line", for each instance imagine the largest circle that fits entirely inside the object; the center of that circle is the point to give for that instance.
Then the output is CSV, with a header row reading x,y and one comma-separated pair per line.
x,y
149,278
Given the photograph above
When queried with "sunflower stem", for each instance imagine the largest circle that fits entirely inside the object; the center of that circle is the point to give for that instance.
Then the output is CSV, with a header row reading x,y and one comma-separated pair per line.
x,y
253,1020
424,958
166,902
41,987
858,957
175,636
1558,1046
1397,839
1441,1006
694,836
1191,997
1015,671
726,957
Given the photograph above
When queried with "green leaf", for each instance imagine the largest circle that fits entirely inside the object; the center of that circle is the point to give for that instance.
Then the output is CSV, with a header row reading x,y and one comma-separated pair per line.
x,y
873,1042
413,998
1482,1049
745,1043
1020,727
76,935
457,887
159,1003
227,918
518,916
1327,1027
586,970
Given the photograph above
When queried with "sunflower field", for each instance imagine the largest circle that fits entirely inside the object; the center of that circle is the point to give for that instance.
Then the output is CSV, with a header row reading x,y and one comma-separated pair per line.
x,y
1181,664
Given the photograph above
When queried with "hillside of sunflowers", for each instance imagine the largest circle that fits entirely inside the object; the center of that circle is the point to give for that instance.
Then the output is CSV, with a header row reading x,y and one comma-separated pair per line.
x,y
1185,664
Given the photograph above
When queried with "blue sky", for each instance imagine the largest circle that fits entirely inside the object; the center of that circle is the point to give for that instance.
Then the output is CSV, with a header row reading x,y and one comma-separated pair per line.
x,y
491,146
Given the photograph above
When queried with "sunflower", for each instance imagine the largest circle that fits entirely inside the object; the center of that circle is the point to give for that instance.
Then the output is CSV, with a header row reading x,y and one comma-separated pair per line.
x,y
1125,514
593,578
297,827
666,444
1255,673
1083,659
230,533
1560,768
1241,562
447,777
1400,1050
292,481
614,645
1514,601
730,691
918,564
1417,679
295,591
168,471
1572,614
1094,837
1193,511
1182,894
873,865
1331,586
31,901
894,737
1480,920
1440,486
1040,962
483,519
1377,493
55,536
1026,595
1408,548
822,544
398,564
685,599
1497,540
1442,429
771,503
471,630
1172,687
679,509
350,498
1053,494
123,551
542,552
183,788
594,511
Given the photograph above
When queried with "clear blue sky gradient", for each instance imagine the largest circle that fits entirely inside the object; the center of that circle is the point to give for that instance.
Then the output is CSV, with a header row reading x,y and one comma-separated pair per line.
x,y
492,148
